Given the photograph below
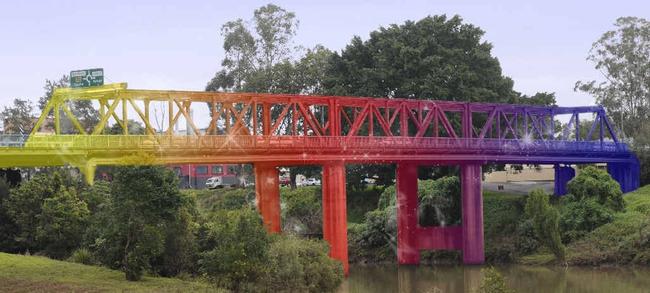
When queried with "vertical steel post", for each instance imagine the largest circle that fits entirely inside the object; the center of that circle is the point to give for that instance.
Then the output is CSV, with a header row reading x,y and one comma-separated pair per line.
x,y
335,230
472,202
407,214
267,194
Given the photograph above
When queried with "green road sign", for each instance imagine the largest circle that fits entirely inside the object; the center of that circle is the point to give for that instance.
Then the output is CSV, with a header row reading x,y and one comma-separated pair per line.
x,y
87,77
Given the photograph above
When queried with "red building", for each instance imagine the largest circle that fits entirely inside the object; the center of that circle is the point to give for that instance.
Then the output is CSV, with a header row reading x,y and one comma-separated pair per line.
x,y
195,175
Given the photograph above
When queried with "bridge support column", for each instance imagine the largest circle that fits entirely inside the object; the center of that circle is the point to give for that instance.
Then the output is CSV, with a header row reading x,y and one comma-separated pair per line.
x,y
335,228
626,174
472,203
408,251
267,194
563,174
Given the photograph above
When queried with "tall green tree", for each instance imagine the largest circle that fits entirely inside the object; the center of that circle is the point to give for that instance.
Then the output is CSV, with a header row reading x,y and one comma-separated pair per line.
x,y
144,203
433,58
436,57
622,56
259,58
8,228
19,118
26,204
252,53
62,223
83,110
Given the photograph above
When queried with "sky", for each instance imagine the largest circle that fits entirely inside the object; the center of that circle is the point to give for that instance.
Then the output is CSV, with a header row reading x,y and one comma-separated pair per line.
x,y
542,45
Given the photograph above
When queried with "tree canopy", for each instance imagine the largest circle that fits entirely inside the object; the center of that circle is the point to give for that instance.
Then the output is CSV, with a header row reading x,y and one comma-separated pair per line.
x,y
622,56
434,58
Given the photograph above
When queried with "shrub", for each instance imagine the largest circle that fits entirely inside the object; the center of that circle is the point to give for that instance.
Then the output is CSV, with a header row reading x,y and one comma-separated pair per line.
x,y
82,256
132,233
624,240
220,199
61,223
439,201
545,221
374,239
581,217
235,249
596,183
502,214
8,228
526,240
301,210
25,204
302,265
493,282
180,244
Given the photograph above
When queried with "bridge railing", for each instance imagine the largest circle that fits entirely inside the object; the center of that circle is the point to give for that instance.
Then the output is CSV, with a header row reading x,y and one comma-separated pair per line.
x,y
13,140
292,144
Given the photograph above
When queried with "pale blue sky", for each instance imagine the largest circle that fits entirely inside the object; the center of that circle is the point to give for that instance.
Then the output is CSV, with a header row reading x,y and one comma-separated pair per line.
x,y
176,44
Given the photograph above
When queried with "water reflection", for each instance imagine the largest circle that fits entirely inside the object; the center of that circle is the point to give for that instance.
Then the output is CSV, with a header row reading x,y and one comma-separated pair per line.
x,y
391,278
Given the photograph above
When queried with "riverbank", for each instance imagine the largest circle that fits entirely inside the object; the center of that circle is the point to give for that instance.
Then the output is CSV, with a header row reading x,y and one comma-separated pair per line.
x,y
20,273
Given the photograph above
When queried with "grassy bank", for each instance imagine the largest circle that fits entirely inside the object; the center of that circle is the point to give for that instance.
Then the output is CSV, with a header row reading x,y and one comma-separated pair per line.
x,y
626,240
19,273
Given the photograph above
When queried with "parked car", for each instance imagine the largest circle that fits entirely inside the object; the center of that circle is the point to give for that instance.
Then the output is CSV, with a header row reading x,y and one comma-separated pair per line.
x,y
311,182
221,181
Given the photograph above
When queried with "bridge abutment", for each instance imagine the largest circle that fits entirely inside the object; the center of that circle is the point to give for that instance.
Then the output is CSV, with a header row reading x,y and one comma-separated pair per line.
x,y
267,195
626,174
563,174
335,226
472,219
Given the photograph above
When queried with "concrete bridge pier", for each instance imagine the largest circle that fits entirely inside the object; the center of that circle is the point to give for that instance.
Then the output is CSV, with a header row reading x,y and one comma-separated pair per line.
x,y
411,238
626,174
563,174
335,226
472,211
408,250
267,195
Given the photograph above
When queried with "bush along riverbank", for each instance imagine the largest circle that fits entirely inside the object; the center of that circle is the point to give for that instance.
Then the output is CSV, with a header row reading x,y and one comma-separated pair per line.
x,y
143,225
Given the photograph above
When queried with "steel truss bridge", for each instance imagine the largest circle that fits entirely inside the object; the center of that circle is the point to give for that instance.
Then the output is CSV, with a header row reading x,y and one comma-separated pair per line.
x,y
271,130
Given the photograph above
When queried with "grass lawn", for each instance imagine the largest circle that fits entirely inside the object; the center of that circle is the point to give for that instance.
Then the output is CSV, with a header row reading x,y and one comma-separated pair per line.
x,y
19,273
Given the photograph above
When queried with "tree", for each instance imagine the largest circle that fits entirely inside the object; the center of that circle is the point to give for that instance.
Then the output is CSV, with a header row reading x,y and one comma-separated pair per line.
x,y
253,57
622,56
144,201
135,128
545,220
8,228
19,118
83,110
596,183
25,205
235,249
434,58
61,223
259,60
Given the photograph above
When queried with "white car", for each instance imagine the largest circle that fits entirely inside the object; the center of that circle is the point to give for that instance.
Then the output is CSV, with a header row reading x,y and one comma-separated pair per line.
x,y
311,182
213,182
222,181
